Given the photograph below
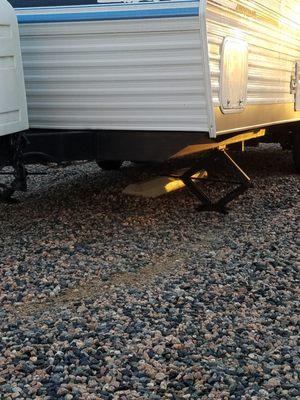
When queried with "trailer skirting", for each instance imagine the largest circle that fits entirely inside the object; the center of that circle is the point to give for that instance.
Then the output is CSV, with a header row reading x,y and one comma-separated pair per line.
x,y
64,145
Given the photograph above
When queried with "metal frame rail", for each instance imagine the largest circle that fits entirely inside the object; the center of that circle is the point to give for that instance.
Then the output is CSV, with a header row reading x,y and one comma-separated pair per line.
x,y
212,151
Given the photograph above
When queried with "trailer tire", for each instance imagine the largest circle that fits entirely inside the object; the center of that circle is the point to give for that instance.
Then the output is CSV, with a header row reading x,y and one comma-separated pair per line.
x,y
296,150
110,165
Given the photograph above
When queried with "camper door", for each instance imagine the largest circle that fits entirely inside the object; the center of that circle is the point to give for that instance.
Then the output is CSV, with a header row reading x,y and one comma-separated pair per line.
x,y
13,107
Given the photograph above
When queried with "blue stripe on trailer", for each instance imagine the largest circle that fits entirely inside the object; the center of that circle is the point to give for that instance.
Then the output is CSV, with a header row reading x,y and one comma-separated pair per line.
x,y
102,4
109,15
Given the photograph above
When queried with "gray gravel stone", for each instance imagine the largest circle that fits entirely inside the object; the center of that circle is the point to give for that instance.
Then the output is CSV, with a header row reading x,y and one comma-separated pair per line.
x,y
104,296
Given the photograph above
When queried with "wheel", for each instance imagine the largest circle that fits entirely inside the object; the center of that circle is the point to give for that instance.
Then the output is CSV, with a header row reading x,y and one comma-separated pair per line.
x,y
296,150
110,165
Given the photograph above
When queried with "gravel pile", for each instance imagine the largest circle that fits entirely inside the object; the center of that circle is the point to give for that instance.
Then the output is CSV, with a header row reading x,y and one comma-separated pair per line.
x,y
109,297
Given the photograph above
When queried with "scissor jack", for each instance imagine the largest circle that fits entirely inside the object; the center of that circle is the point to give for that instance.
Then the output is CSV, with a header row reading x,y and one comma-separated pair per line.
x,y
208,163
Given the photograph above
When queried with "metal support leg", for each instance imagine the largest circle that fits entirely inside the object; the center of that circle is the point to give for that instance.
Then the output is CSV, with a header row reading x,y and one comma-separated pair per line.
x,y
207,204
15,156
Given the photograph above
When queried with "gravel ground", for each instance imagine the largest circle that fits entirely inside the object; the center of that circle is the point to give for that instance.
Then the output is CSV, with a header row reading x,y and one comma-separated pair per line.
x,y
105,296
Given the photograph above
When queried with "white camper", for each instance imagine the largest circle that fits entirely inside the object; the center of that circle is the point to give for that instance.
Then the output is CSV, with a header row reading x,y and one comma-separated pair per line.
x,y
182,65
153,80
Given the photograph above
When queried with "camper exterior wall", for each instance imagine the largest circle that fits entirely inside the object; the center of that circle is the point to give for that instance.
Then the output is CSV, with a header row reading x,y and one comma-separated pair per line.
x,y
155,66
120,68
272,30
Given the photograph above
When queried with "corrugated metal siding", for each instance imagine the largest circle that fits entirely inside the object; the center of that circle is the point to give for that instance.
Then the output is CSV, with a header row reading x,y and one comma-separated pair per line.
x,y
272,29
145,74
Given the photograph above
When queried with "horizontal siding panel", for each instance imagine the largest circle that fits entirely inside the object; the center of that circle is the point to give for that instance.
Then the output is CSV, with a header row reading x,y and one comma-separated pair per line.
x,y
115,41
123,115
87,48
129,58
145,75
111,105
80,89
45,121
106,27
115,77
